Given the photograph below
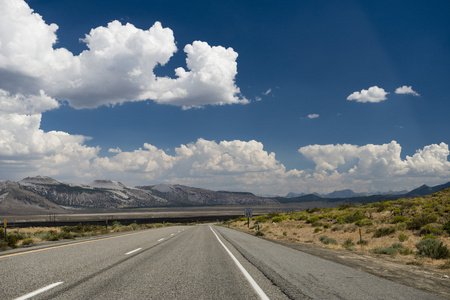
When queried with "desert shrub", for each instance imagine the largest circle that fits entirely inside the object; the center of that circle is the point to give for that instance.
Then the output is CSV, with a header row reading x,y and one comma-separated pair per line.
x,y
28,242
364,222
381,206
123,228
326,240
277,219
384,232
336,228
11,241
312,210
66,235
398,245
429,236
385,250
432,248
78,228
50,235
3,245
401,226
405,251
303,218
134,226
446,227
432,228
348,243
313,219
317,229
262,218
259,233
340,220
327,226
285,233
402,237
399,219
419,221
115,224
394,249
356,216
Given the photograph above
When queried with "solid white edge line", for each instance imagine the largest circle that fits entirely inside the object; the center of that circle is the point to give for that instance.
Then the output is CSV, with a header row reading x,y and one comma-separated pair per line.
x,y
249,278
32,294
133,251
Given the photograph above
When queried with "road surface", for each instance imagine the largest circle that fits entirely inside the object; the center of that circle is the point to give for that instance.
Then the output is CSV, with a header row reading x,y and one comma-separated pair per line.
x,y
196,262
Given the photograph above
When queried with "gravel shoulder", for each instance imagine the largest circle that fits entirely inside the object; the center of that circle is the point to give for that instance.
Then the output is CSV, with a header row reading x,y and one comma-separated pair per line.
x,y
392,268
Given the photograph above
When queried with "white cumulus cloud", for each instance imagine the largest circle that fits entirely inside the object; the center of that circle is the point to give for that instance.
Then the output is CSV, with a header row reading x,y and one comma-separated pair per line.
x,y
26,104
373,95
313,116
406,90
118,65
378,166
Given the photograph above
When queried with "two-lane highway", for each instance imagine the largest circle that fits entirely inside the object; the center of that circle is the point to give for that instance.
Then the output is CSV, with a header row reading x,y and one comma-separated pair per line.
x,y
199,262
168,263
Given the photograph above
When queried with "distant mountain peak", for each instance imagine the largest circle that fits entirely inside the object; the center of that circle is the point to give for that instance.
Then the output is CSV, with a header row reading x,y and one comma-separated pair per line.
x,y
107,184
163,188
293,195
40,180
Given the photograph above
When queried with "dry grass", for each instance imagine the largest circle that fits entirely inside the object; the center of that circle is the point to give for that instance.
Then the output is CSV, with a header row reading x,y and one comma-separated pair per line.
x,y
345,223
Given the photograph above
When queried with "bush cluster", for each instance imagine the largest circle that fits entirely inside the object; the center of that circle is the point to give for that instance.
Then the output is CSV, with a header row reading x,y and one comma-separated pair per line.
x,y
394,249
326,240
432,248
384,232
348,243
66,232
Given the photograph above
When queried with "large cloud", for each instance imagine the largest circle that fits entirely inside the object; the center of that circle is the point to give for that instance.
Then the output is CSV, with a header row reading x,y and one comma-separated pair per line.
x,y
25,148
378,166
231,165
209,81
374,94
117,67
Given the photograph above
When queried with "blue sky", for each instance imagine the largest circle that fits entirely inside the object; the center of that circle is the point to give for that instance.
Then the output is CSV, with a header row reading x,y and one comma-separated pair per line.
x,y
276,97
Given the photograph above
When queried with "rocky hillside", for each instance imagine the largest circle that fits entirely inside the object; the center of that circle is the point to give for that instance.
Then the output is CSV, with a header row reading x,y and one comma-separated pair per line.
x,y
179,195
108,194
16,201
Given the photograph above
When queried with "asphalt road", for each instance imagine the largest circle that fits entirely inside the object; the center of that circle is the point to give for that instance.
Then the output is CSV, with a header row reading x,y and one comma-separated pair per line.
x,y
199,262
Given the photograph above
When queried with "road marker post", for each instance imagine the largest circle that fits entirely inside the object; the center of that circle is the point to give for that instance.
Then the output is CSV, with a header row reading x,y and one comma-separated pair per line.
x,y
248,212
5,229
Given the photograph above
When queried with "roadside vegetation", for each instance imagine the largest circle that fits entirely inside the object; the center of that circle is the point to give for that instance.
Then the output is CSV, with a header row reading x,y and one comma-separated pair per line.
x,y
415,230
26,237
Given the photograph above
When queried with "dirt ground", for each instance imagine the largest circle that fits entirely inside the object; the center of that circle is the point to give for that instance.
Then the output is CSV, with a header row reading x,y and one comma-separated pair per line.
x,y
423,274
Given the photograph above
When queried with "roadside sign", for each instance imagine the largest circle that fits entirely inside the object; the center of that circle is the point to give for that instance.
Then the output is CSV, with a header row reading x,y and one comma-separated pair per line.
x,y
248,212
5,224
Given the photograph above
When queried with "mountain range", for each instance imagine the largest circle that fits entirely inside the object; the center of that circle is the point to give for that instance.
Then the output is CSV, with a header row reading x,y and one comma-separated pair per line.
x,y
41,195
45,195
